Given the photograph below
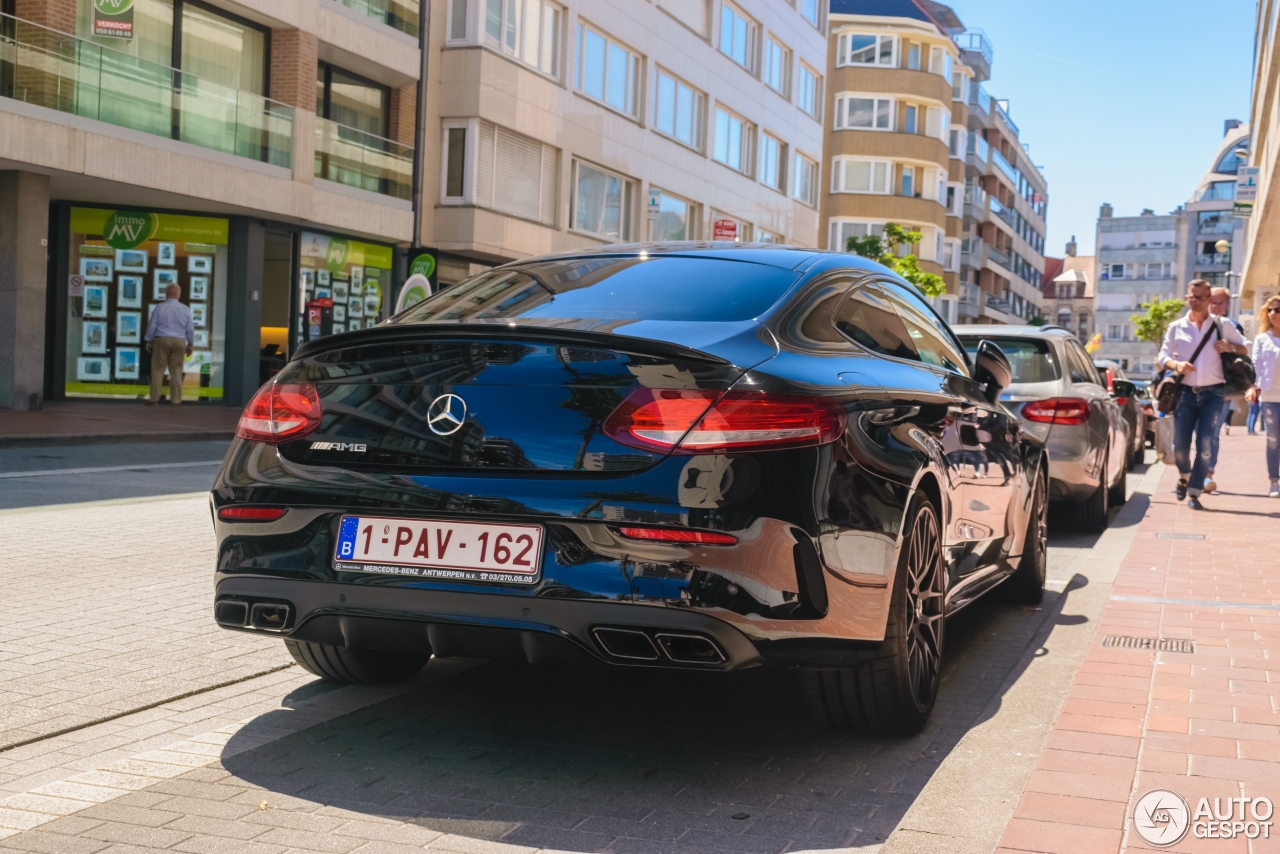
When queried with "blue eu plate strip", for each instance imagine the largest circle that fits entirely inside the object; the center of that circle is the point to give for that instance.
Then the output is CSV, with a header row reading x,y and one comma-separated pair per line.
x,y
347,537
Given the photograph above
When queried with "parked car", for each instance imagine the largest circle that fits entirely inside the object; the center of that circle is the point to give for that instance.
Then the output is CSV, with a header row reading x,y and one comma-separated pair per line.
x,y
675,456
1130,406
1059,398
1148,410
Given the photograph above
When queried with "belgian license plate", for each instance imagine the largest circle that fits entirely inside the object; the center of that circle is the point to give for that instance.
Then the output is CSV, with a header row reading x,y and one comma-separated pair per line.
x,y
431,548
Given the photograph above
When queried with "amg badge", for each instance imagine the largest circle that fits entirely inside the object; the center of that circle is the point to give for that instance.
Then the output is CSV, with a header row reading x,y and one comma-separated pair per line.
x,y
339,446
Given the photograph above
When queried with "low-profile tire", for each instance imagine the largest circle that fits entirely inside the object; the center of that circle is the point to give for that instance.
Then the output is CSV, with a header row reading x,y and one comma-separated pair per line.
x,y
1117,496
893,692
1093,512
1026,585
354,666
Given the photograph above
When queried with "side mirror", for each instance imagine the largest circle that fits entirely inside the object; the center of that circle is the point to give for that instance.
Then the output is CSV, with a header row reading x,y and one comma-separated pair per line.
x,y
992,369
1123,388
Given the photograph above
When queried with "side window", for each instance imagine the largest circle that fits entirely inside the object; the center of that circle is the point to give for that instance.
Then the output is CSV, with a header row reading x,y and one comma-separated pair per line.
x,y
868,319
816,322
930,334
1082,369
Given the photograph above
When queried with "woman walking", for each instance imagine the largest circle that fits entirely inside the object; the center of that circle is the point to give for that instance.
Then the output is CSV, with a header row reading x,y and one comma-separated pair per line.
x,y
1266,388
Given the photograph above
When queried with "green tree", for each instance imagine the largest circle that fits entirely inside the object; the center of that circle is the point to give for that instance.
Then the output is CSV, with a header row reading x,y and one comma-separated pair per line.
x,y
886,251
1037,321
1160,313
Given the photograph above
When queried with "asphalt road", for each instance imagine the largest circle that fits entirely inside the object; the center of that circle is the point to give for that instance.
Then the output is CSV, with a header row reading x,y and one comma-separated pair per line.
x,y
494,755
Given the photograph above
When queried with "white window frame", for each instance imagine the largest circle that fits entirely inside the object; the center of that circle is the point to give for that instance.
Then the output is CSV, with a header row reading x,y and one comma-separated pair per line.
x,y
746,148
743,234
470,152
785,59
699,118
937,120
627,215
838,174
776,239
844,49
840,121
951,255
752,46
835,229
499,45
816,5
693,221
804,170
635,71
941,62
779,162
806,69
956,193
464,10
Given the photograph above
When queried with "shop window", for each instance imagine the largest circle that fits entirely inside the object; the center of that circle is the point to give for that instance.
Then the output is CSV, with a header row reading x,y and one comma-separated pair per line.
x,y
122,262
351,100
343,285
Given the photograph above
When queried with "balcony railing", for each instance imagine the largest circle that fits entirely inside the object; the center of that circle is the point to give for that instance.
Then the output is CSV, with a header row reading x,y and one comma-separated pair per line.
x,y
1213,258
1010,171
50,69
975,40
1222,226
1000,258
974,194
979,146
979,98
358,159
396,14
1002,107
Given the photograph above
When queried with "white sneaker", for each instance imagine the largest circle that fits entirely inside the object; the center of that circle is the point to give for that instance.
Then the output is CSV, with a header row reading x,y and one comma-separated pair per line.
x,y
1275,489
1209,485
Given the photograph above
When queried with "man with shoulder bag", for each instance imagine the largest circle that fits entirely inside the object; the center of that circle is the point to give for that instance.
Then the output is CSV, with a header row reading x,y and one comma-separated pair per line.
x,y
1200,386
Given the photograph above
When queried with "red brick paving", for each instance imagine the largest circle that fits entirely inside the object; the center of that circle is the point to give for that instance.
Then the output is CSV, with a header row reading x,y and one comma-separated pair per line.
x,y
1203,724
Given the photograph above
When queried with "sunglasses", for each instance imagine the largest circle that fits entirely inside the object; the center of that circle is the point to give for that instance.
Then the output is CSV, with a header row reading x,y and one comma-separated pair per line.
x,y
1273,311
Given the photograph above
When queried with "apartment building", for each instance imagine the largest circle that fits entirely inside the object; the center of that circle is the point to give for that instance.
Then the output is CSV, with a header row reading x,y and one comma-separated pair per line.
x,y
1261,268
914,138
1139,259
260,156
553,126
1069,291
1211,217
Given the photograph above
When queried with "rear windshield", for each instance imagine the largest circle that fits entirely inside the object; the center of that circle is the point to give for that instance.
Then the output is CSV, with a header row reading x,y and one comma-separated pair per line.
x,y
610,289
1032,360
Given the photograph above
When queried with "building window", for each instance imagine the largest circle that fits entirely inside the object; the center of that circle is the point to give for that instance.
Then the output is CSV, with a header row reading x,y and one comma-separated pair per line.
x,y
691,13
1116,271
849,175
937,123
804,180
607,71
857,49
528,30
908,119
810,94
678,110
864,113
913,57
516,175
777,67
772,153
842,230
351,100
677,219
738,36
455,163
958,86
601,202
809,8
940,62
733,141
723,226
908,181
763,236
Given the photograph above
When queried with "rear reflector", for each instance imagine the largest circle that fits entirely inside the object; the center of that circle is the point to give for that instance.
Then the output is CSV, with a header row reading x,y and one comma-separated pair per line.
x,y
679,535
1122,401
708,422
1057,410
280,413
251,514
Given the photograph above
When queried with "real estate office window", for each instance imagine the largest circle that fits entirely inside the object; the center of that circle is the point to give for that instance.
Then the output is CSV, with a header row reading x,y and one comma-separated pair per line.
x,y
608,71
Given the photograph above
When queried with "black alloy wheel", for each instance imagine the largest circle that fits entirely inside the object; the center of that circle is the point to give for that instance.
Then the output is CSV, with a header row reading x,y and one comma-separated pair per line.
x,y
893,692
1026,585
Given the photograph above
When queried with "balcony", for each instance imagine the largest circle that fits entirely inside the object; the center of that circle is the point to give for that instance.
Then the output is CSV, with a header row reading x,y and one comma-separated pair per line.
x,y
50,69
976,41
1001,258
1002,110
1010,171
972,253
1006,216
978,152
1213,259
397,14
358,159
979,99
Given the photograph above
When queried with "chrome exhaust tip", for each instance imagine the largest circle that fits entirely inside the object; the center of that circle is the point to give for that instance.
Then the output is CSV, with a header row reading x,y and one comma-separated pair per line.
x,y
690,649
629,644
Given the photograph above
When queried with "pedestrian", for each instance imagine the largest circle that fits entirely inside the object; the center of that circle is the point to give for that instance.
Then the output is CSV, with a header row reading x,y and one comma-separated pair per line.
x,y
1219,305
170,336
1187,351
1266,387
1251,425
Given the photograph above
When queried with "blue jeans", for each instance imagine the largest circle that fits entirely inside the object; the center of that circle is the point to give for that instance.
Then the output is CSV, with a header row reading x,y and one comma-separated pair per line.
x,y
1255,409
1271,418
1198,413
1217,434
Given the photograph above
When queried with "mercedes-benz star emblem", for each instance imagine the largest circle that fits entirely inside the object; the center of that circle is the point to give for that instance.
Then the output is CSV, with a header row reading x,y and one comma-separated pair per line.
x,y
446,414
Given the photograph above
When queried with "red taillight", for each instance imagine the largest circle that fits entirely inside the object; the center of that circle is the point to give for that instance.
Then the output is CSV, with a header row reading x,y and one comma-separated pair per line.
x,y
707,422
1057,410
251,514
280,413
1123,401
679,535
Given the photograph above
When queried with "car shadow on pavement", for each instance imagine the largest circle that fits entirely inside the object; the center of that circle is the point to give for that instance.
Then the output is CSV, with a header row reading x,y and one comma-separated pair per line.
x,y
638,760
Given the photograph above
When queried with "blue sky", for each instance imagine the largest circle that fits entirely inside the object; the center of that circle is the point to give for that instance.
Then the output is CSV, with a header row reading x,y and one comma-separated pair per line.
x,y
1121,101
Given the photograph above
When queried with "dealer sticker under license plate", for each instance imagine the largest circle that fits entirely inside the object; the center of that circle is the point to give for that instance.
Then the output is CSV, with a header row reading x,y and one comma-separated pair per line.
x,y
431,548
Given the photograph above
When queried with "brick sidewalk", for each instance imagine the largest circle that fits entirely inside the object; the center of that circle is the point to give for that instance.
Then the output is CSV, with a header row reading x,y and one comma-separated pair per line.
x,y
1201,724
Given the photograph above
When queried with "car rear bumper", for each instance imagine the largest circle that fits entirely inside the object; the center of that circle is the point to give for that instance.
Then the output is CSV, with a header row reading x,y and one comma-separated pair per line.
x,y
1073,464
538,630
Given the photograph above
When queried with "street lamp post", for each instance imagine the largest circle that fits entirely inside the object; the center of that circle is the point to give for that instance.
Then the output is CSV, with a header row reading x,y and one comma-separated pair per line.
x,y
1224,248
